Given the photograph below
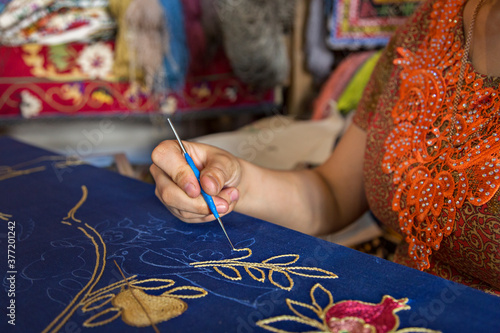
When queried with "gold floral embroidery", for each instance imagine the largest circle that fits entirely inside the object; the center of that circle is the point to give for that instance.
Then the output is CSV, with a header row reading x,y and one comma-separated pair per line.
x,y
278,266
132,303
346,316
136,307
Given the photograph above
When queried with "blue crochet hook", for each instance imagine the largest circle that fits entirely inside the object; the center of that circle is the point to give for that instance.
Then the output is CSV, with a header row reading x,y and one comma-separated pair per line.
x,y
208,198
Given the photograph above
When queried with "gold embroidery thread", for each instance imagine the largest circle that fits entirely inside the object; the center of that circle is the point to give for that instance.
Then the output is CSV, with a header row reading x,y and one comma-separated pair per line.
x,y
17,170
5,217
133,304
273,265
340,317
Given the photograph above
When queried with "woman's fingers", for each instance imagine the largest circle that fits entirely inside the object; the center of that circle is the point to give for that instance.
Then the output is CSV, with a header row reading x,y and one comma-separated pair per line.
x,y
179,190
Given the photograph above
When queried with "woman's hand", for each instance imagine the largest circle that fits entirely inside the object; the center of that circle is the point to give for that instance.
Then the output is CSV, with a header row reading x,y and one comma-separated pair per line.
x,y
177,186
316,201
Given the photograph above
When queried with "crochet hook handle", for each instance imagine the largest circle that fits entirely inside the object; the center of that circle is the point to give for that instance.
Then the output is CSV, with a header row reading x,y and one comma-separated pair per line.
x,y
208,199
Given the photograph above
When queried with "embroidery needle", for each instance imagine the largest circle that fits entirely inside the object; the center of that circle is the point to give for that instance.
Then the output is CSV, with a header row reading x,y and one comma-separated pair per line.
x,y
208,198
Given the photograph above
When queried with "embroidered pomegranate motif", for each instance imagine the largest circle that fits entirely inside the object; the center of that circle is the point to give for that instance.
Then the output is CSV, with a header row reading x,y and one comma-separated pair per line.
x,y
357,316
350,316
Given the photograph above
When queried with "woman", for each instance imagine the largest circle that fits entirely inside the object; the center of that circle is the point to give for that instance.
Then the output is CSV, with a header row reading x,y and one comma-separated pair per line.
x,y
422,154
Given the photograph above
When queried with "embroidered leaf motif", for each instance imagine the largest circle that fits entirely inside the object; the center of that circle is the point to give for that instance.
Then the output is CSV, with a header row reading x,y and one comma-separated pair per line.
x,y
282,260
298,308
140,284
102,318
97,303
283,276
311,272
228,270
317,293
261,275
278,266
186,292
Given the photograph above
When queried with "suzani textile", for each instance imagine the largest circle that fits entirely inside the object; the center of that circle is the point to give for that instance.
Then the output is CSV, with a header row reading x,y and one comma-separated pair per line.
x,y
78,79
355,24
92,251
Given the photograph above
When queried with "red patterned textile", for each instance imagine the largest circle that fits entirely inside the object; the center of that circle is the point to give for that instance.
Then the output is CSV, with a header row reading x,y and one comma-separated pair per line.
x,y
77,79
440,192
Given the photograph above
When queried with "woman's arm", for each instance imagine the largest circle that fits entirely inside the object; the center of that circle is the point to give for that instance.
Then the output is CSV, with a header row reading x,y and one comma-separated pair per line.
x,y
312,201
315,201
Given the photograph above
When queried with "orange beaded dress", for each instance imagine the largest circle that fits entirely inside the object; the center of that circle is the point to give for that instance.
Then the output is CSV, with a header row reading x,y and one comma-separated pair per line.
x,y
437,188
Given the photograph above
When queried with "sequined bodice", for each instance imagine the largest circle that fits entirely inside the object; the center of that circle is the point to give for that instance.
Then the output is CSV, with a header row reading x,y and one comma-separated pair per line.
x,y
438,184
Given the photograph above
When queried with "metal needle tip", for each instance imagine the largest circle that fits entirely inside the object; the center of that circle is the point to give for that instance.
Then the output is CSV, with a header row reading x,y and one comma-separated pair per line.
x,y
177,136
224,229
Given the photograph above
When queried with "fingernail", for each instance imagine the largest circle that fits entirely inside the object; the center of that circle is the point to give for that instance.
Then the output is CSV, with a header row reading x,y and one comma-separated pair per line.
x,y
221,208
213,181
234,195
189,189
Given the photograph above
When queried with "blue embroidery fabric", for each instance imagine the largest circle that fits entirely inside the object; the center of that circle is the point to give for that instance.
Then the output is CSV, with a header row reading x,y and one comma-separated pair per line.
x,y
73,222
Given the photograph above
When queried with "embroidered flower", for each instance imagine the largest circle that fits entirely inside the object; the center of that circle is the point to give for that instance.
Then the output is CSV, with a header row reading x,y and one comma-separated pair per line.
x,y
96,60
349,316
30,104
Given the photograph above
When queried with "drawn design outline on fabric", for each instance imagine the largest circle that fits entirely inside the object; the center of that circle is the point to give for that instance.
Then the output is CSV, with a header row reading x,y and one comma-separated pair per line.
x,y
344,316
128,302
256,270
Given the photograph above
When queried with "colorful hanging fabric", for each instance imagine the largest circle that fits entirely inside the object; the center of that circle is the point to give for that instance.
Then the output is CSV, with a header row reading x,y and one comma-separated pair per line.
x,y
49,22
356,24
176,60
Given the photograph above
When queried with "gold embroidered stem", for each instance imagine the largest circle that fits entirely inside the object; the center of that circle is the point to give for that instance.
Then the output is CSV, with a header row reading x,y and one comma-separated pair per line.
x,y
83,294
7,172
11,173
72,212
5,217
110,287
137,300
274,265
78,299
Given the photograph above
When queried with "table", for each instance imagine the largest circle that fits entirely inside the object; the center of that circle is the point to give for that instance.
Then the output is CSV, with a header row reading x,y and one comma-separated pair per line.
x,y
88,250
